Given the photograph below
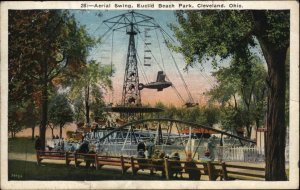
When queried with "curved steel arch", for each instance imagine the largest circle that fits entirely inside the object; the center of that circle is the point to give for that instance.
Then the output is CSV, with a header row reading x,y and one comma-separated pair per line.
x,y
193,125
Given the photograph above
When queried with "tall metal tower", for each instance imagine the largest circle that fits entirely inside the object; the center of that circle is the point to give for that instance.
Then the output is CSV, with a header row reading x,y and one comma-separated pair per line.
x,y
131,21
131,95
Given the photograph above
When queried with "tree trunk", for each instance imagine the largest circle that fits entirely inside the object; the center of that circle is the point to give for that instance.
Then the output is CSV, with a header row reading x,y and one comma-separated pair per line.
x,y
87,106
32,132
44,114
60,131
52,131
249,130
276,130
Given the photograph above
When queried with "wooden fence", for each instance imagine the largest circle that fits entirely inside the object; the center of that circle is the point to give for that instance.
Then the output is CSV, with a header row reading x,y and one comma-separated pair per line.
x,y
167,167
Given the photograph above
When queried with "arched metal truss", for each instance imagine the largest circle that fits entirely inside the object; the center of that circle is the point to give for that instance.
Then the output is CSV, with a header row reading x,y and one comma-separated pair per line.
x,y
170,135
130,126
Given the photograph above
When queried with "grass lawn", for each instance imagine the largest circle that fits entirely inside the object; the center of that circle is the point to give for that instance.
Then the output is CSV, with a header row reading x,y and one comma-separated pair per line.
x,y
26,170
22,166
21,145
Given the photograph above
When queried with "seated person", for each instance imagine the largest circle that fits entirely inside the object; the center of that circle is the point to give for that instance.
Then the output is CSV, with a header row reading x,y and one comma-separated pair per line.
x,y
141,146
190,164
157,159
206,157
84,147
175,156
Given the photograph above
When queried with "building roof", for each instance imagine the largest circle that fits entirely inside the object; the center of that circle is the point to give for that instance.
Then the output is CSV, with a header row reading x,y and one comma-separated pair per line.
x,y
121,109
199,130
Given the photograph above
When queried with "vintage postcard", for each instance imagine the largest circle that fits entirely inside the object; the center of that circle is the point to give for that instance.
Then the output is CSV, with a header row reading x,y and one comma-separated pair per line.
x,y
150,95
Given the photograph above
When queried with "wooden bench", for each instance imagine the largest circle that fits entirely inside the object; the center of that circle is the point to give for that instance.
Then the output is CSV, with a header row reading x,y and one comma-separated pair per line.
x,y
212,169
152,165
233,172
123,162
51,155
84,157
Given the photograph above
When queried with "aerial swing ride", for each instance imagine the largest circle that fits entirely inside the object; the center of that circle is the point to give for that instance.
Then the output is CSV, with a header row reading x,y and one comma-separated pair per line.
x,y
134,24
167,131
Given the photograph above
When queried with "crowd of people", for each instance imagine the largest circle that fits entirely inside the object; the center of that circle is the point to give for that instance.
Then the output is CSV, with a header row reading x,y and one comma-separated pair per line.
x,y
145,150
148,150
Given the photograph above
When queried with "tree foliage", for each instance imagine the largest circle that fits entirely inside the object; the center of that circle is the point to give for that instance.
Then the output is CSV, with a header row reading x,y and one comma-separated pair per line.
x,y
21,115
242,89
205,115
60,111
45,46
88,89
224,34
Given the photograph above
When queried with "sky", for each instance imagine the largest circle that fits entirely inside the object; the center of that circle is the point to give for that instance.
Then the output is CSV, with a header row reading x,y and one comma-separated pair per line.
x,y
197,81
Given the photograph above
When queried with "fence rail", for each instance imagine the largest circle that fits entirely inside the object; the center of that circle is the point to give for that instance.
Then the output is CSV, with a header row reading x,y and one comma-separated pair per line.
x,y
194,169
222,153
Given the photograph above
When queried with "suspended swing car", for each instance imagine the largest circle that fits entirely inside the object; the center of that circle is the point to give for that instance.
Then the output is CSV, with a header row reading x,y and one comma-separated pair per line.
x,y
160,83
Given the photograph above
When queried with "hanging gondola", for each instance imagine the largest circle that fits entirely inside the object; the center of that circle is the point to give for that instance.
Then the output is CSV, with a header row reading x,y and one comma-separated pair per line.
x,y
160,83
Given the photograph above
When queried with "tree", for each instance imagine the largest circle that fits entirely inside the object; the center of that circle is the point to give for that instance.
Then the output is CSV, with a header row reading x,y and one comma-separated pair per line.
x,y
45,46
89,88
15,115
211,115
223,34
242,88
32,116
60,112
79,111
21,115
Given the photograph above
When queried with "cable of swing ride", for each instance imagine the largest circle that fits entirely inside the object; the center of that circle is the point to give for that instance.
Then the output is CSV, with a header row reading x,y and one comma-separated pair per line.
x,y
185,85
112,51
174,41
143,72
180,74
140,64
176,91
162,60
160,67
205,76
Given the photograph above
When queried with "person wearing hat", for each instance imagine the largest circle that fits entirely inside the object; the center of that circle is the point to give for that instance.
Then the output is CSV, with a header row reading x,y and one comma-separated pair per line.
x,y
38,143
141,146
175,156
150,147
95,128
206,157
84,147
211,147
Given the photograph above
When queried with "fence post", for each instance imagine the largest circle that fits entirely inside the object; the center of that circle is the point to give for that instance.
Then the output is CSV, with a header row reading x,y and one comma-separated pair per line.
x,y
75,159
225,176
122,164
38,157
66,156
132,165
151,168
167,169
96,161
211,172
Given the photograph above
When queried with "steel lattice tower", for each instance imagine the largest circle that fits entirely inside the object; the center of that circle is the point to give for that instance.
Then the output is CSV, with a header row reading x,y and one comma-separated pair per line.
x,y
131,95
131,21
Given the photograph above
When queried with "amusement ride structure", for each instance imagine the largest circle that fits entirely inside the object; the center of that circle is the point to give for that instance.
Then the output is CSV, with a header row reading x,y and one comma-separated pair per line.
x,y
168,134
